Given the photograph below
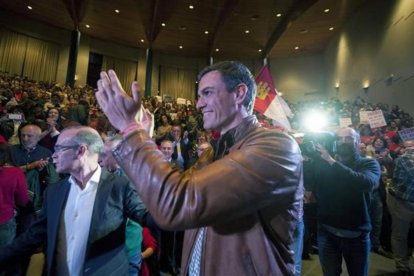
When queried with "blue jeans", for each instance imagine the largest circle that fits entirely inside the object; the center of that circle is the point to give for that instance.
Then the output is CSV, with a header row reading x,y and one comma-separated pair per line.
x,y
7,232
134,264
355,252
376,220
297,246
402,213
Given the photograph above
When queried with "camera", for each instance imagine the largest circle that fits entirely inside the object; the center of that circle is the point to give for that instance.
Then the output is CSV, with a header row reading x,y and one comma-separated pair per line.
x,y
309,141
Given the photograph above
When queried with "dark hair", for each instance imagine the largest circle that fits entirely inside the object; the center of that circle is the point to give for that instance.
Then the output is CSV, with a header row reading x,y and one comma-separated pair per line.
x,y
234,73
4,154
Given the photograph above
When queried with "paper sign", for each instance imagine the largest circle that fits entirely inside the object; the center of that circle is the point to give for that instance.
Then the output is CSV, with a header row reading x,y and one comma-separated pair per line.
x,y
407,134
376,119
181,101
363,117
345,122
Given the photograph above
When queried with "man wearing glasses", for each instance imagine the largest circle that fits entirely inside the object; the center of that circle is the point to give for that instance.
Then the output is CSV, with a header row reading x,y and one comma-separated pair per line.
x,y
343,187
83,216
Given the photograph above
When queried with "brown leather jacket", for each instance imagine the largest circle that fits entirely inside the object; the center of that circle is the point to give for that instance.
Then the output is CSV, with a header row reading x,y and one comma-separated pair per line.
x,y
249,199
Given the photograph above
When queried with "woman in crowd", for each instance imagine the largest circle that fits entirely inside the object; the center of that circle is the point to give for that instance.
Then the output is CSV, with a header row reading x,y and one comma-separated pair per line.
x,y
54,126
13,193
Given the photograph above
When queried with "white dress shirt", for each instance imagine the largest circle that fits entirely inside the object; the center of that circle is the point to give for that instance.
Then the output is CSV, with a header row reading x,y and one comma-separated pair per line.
x,y
78,216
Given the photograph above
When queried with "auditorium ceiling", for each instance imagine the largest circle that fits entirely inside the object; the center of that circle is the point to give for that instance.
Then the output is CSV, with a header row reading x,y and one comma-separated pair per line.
x,y
238,29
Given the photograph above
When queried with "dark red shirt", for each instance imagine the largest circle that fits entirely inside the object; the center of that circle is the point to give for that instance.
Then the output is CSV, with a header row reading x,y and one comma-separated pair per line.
x,y
13,191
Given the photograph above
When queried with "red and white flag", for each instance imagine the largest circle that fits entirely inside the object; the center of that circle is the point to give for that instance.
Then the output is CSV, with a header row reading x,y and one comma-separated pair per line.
x,y
268,102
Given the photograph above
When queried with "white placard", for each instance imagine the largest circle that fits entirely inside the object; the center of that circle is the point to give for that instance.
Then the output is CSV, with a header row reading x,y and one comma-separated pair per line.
x,y
376,119
181,101
407,134
345,122
363,117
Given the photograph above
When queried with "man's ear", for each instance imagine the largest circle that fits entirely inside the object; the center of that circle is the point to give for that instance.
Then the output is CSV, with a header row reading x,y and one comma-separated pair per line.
x,y
241,93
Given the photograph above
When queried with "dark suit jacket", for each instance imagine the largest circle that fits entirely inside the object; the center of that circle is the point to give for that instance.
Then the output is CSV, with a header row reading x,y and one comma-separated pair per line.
x,y
115,200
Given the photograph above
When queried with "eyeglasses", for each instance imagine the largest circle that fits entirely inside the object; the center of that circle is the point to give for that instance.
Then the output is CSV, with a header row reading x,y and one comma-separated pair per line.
x,y
58,148
346,139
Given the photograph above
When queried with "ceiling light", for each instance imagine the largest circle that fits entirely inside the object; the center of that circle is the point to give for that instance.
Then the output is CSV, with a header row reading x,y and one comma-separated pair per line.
x,y
30,7
326,10
297,48
217,49
191,7
331,28
117,11
163,24
260,50
181,46
278,15
247,31
87,26
206,32
142,40
304,31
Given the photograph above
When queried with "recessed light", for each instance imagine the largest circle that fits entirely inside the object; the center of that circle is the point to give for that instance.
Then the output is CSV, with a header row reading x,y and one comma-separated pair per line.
x,y
331,28
117,11
260,50
181,46
191,7
30,7
87,26
246,31
206,32
297,48
142,40
278,15
326,10
304,31
163,24
217,49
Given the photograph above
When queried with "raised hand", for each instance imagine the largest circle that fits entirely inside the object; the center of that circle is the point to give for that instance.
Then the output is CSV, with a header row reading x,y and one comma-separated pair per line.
x,y
120,108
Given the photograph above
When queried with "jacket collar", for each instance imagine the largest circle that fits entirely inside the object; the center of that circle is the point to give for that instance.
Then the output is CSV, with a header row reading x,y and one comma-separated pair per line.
x,y
228,139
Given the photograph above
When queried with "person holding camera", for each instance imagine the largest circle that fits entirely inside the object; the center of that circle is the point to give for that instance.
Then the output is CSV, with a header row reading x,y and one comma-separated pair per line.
x,y
343,187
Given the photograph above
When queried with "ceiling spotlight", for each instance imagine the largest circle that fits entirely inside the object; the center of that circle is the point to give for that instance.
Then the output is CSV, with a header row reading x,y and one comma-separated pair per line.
x,y
142,40
30,7
181,46
278,15
217,49
331,28
163,24
260,50
117,11
206,32
297,48
191,7
87,26
246,31
326,10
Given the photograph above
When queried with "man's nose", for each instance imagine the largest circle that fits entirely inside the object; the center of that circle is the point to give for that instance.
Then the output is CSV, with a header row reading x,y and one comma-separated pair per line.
x,y
200,103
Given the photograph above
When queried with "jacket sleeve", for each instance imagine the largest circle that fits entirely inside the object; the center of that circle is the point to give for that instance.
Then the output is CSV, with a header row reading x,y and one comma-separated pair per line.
x,y
365,178
264,169
134,207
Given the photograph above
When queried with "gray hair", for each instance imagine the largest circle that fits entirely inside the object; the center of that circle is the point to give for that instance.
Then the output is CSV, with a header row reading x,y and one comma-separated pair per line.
x,y
88,136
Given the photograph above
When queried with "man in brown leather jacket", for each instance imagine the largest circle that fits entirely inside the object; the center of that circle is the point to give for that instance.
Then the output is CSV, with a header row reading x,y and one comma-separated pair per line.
x,y
241,210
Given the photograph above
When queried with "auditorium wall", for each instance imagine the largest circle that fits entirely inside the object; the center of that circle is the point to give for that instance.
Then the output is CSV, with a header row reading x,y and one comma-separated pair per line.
x,y
374,49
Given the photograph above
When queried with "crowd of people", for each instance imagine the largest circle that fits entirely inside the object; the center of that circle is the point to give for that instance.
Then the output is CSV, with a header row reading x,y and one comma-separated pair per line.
x,y
41,121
